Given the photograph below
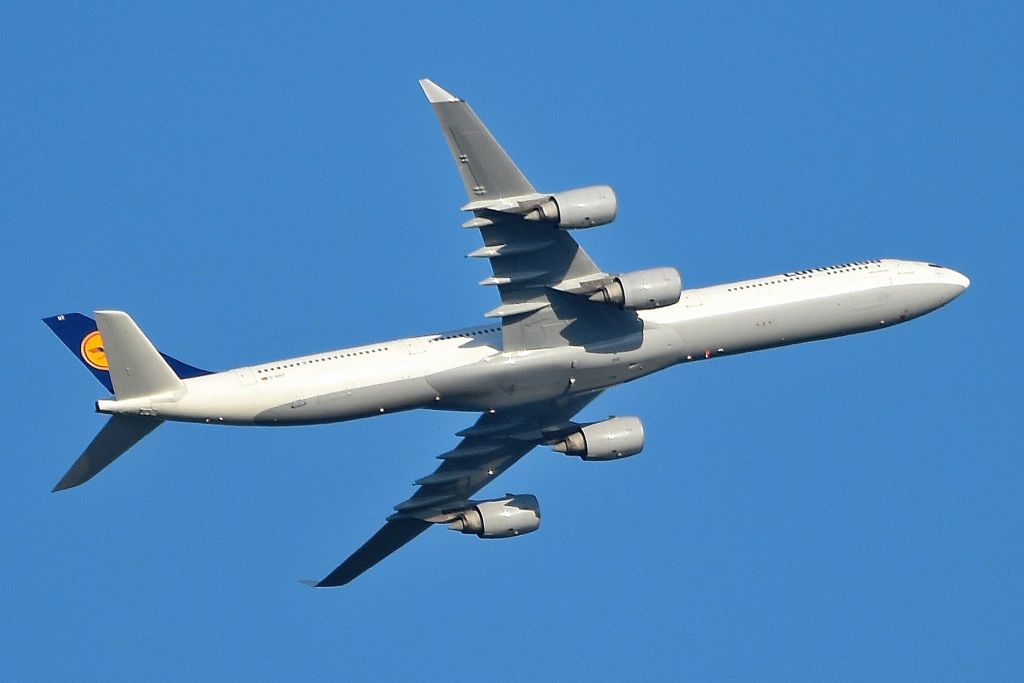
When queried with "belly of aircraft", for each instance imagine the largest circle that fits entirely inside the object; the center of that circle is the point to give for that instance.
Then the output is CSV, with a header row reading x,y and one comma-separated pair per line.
x,y
350,404
526,377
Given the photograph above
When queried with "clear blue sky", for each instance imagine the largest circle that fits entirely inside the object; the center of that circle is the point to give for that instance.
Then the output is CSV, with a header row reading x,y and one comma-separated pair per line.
x,y
255,182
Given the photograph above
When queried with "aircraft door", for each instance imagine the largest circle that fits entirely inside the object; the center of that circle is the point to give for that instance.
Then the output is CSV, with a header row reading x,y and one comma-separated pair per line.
x,y
691,299
245,376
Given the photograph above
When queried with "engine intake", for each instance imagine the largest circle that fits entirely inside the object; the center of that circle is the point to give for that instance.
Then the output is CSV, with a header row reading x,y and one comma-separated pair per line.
x,y
611,439
642,289
585,207
514,515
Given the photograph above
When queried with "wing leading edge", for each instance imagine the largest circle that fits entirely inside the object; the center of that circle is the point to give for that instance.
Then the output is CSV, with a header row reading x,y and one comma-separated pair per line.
x,y
488,448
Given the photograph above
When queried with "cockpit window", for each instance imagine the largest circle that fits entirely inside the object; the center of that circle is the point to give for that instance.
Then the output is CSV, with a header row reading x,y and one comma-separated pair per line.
x,y
936,265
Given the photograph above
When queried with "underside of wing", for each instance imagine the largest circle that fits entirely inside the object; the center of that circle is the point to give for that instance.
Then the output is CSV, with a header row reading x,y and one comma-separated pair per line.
x,y
543,275
487,171
488,448
390,538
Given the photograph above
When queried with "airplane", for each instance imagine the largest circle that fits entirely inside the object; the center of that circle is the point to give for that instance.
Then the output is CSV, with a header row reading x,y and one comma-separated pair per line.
x,y
564,332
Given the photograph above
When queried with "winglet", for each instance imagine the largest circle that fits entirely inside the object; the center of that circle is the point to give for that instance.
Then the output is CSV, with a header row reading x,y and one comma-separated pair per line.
x,y
310,582
436,93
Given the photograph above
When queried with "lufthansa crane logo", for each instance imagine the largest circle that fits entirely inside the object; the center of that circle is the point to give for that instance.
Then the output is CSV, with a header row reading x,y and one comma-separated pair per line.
x,y
92,351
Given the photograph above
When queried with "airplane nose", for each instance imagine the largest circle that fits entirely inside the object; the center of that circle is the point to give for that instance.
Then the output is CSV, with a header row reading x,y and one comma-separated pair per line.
x,y
953,284
959,278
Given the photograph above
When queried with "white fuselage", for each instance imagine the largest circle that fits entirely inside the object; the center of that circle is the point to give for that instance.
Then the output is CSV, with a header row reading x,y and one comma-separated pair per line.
x,y
467,369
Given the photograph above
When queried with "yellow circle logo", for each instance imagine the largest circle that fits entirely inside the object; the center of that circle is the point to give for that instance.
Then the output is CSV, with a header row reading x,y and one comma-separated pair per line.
x,y
92,351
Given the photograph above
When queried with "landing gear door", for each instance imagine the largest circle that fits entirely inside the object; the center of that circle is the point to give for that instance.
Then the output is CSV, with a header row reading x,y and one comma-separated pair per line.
x,y
245,376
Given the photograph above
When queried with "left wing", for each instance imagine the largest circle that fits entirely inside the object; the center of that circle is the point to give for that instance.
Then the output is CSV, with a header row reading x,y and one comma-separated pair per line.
x,y
539,269
488,448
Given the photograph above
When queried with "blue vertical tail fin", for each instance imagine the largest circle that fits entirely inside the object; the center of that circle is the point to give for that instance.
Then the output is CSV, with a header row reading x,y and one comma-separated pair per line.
x,y
81,335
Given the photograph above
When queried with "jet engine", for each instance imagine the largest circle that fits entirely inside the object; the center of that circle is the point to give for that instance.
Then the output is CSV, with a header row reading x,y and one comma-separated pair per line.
x,y
642,289
585,207
614,438
513,515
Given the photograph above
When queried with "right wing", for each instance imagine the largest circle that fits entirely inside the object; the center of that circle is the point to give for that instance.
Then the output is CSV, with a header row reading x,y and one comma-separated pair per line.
x,y
535,264
488,448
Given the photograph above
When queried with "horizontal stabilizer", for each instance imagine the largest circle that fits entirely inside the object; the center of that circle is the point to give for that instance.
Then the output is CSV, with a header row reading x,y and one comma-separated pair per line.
x,y
136,367
117,436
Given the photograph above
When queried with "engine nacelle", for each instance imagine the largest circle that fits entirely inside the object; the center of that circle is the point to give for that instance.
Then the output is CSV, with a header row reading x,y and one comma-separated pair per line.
x,y
614,438
514,515
585,207
642,289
